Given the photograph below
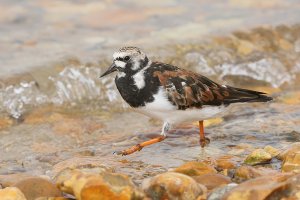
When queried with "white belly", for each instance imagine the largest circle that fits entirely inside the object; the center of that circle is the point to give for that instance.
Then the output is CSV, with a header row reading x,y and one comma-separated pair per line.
x,y
163,110
178,116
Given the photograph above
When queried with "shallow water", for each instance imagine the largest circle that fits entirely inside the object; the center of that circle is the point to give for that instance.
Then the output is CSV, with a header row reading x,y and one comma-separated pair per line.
x,y
63,111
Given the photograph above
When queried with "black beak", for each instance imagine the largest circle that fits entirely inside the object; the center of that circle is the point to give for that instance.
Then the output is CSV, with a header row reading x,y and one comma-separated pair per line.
x,y
111,69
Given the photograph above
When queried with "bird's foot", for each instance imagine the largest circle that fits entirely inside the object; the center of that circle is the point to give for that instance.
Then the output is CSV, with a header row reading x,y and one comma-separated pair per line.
x,y
204,142
130,150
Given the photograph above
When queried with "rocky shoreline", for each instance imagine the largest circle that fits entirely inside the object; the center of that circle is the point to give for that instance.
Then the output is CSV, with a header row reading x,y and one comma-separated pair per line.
x,y
226,177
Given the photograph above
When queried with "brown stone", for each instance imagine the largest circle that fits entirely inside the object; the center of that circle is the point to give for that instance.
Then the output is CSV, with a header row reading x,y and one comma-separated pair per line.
x,y
11,179
290,150
226,162
236,152
272,151
291,162
290,191
11,193
171,185
194,168
240,149
33,188
248,172
218,193
211,181
259,188
93,164
86,186
258,156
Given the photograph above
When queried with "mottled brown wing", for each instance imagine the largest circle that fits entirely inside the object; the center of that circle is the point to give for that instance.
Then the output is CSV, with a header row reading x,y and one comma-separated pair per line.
x,y
187,89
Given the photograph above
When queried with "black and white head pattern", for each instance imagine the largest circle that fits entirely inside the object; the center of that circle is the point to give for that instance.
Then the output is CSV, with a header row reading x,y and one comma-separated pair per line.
x,y
130,60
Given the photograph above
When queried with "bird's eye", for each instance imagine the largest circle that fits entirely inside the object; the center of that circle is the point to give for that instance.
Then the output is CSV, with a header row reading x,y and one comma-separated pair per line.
x,y
126,58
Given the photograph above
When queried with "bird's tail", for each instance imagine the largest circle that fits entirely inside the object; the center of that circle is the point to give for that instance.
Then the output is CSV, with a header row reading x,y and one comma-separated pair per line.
x,y
243,95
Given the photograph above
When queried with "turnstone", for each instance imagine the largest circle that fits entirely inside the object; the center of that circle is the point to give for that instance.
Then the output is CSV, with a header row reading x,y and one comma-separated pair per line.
x,y
171,94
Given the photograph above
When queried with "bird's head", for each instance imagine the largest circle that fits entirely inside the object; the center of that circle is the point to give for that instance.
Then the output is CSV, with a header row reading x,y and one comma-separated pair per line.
x,y
128,60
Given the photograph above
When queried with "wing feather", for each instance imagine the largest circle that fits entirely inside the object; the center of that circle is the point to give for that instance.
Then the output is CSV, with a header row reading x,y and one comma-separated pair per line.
x,y
187,89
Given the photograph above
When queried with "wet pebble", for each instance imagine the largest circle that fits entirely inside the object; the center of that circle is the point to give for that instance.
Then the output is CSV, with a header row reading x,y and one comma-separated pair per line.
x,y
258,156
291,158
172,185
11,179
36,187
218,193
98,186
248,172
295,147
226,162
194,168
86,163
259,188
291,162
211,181
272,151
11,193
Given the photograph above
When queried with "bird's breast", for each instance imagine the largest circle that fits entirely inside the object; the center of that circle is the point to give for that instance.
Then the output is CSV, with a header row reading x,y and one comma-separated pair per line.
x,y
133,94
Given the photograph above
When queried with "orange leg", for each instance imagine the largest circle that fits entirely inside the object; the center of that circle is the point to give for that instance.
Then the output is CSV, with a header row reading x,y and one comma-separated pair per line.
x,y
139,146
203,141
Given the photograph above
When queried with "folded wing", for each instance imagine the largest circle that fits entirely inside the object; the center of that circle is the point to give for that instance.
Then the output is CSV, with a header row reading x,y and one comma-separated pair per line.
x,y
187,89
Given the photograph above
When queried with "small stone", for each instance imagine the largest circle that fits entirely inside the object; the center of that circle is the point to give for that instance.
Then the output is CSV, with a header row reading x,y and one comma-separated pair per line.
x,y
291,162
11,179
92,164
248,172
245,146
291,150
11,193
258,188
171,185
194,168
272,151
258,156
226,162
36,187
218,193
99,186
211,181
236,152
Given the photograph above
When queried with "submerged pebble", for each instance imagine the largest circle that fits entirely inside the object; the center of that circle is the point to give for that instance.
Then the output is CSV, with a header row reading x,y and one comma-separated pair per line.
x,y
248,172
258,156
36,187
259,188
272,151
291,162
212,181
218,193
194,168
10,179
